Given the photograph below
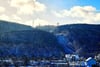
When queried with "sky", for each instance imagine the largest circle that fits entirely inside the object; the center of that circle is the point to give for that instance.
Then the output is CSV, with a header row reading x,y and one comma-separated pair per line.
x,y
50,12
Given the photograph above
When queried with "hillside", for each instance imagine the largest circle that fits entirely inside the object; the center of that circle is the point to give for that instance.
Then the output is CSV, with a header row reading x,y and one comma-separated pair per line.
x,y
48,28
83,38
29,43
6,26
21,40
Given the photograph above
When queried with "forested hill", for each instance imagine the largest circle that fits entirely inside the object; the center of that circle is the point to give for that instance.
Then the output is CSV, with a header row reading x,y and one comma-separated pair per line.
x,y
6,26
85,38
21,40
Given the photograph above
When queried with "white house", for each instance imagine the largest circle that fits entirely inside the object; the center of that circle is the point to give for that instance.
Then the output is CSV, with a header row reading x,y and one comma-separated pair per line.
x,y
90,61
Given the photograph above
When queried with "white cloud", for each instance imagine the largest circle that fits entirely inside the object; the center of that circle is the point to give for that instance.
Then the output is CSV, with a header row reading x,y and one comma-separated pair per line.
x,y
41,22
2,9
4,17
15,17
29,11
12,18
36,22
78,14
23,12
27,6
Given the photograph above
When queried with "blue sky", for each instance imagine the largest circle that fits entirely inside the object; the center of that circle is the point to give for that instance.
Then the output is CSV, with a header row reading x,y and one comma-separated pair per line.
x,y
67,4
94,3
50,12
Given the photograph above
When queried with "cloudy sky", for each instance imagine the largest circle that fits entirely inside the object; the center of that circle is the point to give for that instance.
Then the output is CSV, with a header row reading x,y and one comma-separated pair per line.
x,y
44,12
